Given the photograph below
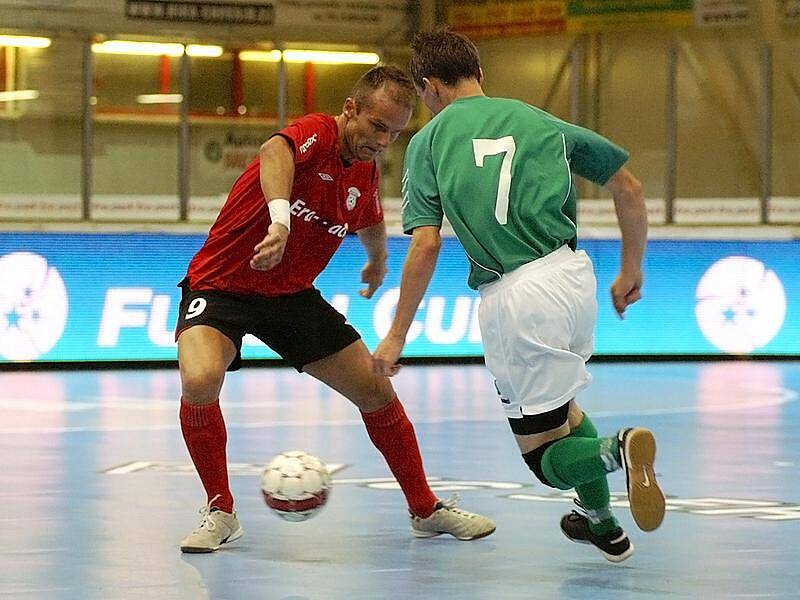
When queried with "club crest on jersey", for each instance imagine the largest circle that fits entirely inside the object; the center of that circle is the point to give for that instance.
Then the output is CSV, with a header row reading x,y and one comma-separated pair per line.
x,y
352,197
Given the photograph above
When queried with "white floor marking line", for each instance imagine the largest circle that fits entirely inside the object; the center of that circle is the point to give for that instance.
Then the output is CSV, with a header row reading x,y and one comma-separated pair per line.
x,y
785,396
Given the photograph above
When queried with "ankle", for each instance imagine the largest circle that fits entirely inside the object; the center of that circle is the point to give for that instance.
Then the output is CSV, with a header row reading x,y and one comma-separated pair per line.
x,y
610,454
604,526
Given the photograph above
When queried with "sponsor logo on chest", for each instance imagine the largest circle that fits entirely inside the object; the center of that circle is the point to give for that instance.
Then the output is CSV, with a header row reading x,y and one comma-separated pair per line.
x,y
300,210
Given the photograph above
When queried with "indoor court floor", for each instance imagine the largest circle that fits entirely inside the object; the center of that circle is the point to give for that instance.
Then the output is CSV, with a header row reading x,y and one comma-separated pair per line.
x,y
97,490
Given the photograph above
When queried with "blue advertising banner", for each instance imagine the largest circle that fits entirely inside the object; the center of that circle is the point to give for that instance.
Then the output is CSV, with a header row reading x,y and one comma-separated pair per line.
x,y
106,297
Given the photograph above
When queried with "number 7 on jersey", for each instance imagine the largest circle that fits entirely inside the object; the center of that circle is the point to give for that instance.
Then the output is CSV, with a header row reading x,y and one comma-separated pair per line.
x,y
504,145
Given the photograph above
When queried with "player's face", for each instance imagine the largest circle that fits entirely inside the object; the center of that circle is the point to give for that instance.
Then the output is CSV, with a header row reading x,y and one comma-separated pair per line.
x,y
371,128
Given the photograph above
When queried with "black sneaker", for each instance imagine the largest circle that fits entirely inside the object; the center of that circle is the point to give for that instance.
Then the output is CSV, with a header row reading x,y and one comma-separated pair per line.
x,y
614,545
637,450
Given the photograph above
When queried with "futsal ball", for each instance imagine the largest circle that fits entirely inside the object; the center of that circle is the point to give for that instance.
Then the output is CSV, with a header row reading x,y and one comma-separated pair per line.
x,y
295,485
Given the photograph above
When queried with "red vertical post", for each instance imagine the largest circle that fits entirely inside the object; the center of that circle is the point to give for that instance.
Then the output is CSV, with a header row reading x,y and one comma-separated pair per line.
x,y
164,74
309,90
3,68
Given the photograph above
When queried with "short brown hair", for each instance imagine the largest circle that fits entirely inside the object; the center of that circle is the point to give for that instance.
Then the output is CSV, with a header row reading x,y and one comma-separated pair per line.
x,y
402,91
444,54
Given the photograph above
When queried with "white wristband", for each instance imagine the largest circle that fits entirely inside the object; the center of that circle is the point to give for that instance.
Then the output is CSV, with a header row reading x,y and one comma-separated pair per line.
x,y
279,211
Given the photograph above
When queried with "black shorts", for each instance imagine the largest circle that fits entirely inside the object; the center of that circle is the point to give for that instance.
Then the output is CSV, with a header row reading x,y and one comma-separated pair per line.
x,y
300,327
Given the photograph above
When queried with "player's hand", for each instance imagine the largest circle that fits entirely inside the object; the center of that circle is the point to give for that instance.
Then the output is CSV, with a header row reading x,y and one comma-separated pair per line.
x,y
372,274
269,252
386,355
626,290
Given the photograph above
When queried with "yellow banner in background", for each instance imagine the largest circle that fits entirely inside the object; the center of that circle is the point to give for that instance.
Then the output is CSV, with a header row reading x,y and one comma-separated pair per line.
x,y
500,18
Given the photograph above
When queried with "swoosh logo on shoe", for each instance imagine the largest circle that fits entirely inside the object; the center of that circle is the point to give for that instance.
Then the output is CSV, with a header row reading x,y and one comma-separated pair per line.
x,y
646,482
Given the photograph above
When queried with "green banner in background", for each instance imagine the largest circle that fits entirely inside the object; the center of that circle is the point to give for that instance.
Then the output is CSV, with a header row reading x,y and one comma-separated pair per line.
x,y
602,15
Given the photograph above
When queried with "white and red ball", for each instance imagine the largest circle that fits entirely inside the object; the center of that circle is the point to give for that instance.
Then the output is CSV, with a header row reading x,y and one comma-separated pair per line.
x,y
295,485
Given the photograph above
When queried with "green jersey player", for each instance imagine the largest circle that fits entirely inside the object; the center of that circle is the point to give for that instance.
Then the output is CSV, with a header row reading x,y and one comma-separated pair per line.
x,y
501,172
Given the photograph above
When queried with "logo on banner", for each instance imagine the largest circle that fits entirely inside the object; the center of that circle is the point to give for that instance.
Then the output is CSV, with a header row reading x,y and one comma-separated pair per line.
x,y
352,197
741,304
33,306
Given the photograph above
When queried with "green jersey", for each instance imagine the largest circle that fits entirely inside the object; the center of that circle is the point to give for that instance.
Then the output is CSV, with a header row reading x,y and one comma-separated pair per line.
x,y
500,170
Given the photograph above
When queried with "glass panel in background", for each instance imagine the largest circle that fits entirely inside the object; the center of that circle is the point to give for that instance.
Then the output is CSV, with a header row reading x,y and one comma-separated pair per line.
x,y
532,74
234,110
718,139
784,206
231,114
332,85
632,103
135,172
260,90
40,138
786,120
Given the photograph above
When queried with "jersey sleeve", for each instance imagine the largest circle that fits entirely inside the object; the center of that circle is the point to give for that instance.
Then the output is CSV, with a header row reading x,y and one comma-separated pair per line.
x,y
310,137
372,213
421,204
590,154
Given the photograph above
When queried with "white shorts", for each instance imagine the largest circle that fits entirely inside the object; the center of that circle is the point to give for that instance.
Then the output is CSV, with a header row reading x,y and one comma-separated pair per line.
x,y
537,325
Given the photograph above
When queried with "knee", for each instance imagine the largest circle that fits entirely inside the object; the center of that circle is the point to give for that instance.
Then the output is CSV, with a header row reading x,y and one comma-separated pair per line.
x,y
200,385
534,460
375,395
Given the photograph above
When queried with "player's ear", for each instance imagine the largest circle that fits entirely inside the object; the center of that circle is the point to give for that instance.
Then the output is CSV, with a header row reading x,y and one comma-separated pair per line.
x,y
349,108
433,85
480,78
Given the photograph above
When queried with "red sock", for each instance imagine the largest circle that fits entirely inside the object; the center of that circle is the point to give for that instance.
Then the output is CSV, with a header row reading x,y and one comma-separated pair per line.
x,y
204,433
393,434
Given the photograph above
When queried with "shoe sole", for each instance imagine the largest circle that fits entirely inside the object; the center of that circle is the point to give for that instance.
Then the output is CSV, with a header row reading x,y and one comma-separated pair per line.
x,y
431,534
208,550
647,502
617,559
609,557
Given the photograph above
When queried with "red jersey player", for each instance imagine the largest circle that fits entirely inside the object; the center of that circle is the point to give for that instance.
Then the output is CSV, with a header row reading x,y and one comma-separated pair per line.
x,y
284,218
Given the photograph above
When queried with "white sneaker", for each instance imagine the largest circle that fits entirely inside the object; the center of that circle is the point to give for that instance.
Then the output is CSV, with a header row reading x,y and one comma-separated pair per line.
x,y
216,528
446,518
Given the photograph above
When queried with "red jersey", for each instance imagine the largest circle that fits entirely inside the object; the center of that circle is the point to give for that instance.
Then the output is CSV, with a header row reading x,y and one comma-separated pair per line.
x,y
328,199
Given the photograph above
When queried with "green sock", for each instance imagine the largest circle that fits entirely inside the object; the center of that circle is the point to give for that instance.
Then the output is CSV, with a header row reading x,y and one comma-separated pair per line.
x,y
586,429
594,495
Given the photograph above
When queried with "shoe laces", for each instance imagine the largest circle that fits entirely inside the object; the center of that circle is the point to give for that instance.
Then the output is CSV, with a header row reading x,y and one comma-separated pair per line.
x,y
207,522
451,504
581,512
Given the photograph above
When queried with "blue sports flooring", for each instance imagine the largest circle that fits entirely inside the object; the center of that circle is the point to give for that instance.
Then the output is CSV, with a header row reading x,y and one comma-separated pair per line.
x,y
96,489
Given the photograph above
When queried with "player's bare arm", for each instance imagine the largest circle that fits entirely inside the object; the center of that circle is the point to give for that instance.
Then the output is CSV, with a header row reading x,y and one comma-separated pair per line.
x,y
276,173
417,272
374,241
632,218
